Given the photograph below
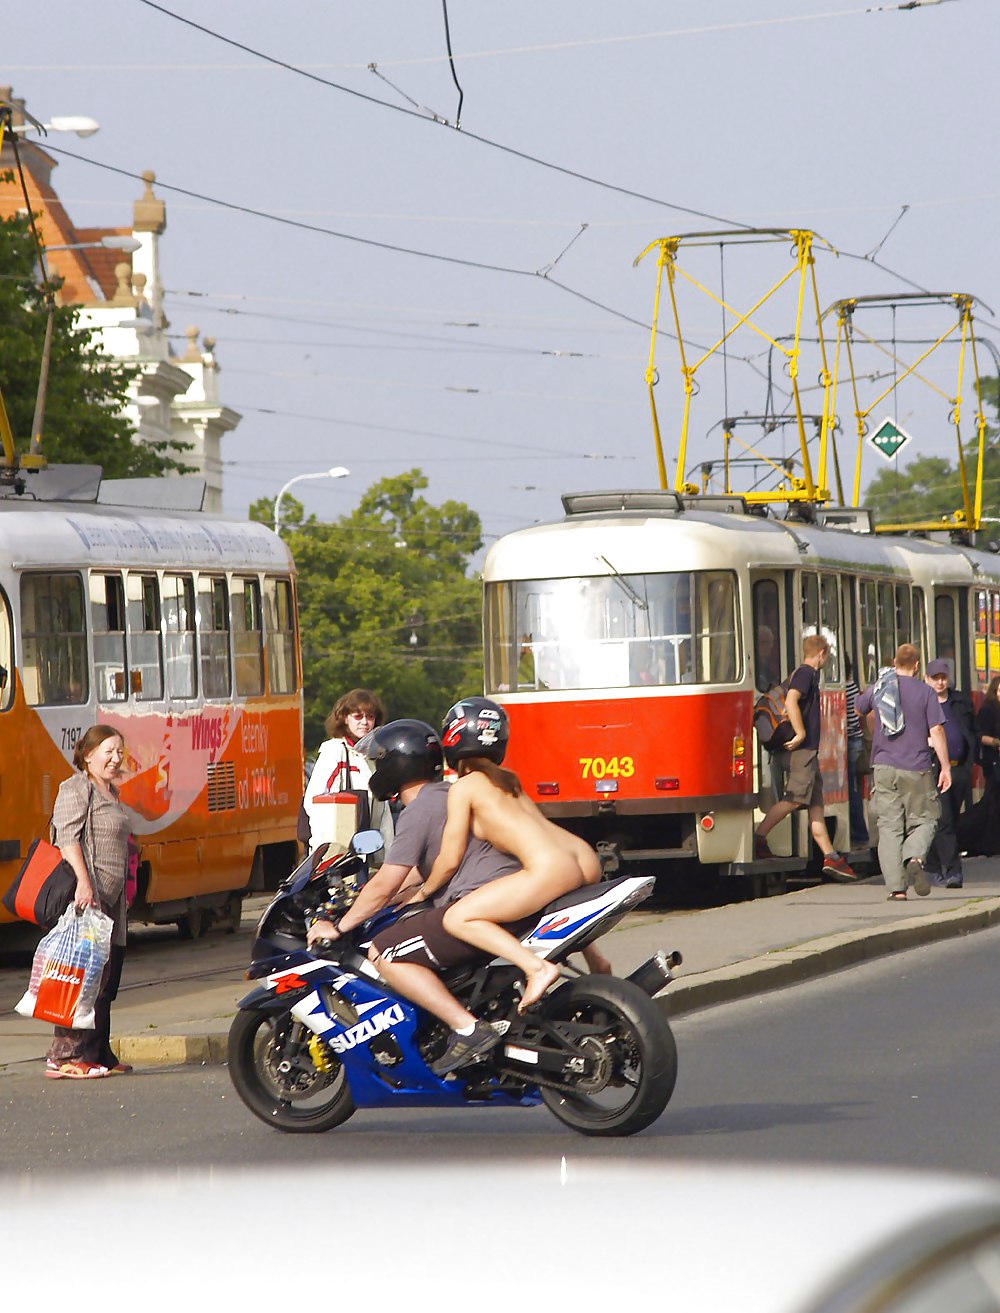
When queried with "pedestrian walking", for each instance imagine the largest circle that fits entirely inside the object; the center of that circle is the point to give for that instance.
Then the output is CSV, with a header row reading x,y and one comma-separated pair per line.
x,y
944,857
855,750
92,830
906,714
800,760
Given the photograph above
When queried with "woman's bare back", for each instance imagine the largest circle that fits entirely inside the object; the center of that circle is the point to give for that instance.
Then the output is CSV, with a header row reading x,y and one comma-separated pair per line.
x,y
516,826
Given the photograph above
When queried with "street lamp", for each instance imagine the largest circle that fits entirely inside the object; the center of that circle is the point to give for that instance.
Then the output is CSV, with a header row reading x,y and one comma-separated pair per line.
x,y
338,472
79,124
110,242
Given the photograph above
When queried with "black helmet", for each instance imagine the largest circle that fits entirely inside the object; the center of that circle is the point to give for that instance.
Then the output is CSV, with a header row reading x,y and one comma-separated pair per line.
x,y
475,727
400,753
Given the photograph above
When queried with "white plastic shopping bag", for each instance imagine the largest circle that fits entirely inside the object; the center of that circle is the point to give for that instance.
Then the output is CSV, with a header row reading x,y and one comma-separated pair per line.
x,y
67,968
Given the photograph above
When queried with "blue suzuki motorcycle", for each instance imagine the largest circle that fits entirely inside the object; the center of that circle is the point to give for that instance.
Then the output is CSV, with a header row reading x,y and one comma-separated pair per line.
x,y
322,1035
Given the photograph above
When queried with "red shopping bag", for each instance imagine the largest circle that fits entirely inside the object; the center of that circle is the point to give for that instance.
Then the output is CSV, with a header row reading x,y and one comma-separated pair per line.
x,y
58,994
67,968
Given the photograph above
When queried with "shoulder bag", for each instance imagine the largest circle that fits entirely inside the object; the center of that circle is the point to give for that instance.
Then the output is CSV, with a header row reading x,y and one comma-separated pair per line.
x,y
44,886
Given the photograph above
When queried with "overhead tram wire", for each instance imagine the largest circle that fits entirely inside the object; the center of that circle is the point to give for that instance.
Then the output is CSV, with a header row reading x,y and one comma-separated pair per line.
x,y
353,237
423,118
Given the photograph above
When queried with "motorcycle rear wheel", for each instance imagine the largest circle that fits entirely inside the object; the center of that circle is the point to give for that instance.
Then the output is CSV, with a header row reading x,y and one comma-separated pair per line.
x,y
312,1101
632,1068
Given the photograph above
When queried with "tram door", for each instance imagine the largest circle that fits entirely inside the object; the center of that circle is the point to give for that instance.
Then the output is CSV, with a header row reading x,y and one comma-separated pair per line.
x,y
774,659
951,630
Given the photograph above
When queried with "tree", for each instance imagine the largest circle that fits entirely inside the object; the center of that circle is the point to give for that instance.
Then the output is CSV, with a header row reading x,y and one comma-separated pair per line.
x,y
930,487
87,390
385,601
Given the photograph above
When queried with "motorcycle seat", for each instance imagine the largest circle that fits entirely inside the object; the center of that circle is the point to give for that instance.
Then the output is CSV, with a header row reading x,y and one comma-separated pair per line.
x,y
584,894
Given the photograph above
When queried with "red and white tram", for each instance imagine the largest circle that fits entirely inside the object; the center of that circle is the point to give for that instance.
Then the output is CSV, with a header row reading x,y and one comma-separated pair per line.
x,y
628,643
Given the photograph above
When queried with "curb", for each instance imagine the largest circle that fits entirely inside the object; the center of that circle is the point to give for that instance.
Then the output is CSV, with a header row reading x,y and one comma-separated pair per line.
x,y
819,957
757,975
171,1050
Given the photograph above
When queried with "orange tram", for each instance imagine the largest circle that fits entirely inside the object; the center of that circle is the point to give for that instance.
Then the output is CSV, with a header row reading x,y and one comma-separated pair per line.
x,y
628,643
179,629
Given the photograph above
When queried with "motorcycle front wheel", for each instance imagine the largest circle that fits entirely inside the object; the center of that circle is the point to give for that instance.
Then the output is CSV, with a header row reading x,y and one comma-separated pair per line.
x,y
277,1077
630,1063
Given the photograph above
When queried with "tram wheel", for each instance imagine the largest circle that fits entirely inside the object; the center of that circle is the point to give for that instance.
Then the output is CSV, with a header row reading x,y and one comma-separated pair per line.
x,y
193,924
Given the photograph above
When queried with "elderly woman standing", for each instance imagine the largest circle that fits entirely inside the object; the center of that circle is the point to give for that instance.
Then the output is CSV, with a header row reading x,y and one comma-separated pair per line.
x,y
92,831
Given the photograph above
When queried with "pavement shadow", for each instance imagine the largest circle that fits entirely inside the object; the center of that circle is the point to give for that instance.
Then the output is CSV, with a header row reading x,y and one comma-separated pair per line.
x,y
738,1118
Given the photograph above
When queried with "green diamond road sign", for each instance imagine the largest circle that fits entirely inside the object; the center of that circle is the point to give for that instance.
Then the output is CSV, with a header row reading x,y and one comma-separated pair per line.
x,y
888,439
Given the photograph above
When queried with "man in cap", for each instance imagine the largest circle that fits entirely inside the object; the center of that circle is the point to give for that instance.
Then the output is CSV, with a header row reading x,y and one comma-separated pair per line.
x,y
944,858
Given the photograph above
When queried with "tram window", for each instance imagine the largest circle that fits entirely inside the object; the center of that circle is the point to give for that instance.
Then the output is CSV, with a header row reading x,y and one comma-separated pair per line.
x,y
904,619
767,628
7,678
886,625
810,604
829,614
145,642
994,653
920,623
982,620
53,639
213,637
502,655
612,631
869,630
279,625
107,619
179,623
248,637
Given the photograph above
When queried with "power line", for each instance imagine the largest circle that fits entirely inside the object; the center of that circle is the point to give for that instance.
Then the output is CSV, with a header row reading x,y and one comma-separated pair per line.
x,y
423,118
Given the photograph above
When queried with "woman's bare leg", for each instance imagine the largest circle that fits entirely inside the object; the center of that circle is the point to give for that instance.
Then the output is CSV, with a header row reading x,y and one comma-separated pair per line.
x,y
475,920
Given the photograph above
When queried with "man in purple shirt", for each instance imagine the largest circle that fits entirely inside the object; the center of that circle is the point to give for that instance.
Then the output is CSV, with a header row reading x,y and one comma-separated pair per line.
x,y
905,793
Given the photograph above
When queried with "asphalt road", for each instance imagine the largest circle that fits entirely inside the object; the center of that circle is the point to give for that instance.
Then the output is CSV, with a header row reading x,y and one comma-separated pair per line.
x,y
893,1063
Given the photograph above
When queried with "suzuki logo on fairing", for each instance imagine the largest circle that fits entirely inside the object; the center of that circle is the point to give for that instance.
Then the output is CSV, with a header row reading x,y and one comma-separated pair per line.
x,y
367,1029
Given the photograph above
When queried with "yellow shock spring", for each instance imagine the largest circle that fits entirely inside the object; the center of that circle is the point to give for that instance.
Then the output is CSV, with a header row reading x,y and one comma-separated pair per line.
x,y
320,1054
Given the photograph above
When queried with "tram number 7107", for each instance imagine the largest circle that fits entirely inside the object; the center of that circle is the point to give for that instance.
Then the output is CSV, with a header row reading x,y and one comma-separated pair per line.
x,y
597,768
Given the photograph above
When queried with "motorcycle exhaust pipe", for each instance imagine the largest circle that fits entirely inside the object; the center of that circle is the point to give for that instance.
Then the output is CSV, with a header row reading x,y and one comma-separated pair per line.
x,y
656,973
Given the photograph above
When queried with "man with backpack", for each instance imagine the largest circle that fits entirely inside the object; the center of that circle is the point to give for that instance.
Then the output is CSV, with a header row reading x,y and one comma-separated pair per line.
x,y
800,759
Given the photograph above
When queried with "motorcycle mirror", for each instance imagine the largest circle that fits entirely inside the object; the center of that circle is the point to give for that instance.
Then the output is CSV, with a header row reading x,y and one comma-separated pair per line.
x,y
366,842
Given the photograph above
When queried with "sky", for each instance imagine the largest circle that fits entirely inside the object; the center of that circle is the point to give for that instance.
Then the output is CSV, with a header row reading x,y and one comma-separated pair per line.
x,y
414,293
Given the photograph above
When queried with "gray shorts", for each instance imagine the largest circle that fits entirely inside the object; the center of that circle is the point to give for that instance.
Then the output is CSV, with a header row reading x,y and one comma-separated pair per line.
x,y
803,781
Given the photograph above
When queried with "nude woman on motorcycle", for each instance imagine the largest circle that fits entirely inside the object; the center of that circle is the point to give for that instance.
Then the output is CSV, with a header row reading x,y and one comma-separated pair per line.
x,y
490,802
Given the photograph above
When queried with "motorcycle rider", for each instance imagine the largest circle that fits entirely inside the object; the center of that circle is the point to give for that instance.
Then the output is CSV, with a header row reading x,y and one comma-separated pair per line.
x,y
407,760
488,802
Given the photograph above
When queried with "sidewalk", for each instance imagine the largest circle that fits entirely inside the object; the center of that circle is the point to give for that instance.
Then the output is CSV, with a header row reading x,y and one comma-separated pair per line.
x,y
729,953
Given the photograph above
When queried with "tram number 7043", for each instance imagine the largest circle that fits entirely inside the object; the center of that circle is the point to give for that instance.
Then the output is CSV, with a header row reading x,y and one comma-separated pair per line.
x,y
597,768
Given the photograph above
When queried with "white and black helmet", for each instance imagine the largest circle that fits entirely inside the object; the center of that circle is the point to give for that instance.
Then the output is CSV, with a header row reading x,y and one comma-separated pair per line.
x,y
475,727
401,753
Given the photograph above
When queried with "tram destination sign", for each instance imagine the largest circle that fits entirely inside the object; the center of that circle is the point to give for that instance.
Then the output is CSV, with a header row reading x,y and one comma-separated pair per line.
x,y
889,439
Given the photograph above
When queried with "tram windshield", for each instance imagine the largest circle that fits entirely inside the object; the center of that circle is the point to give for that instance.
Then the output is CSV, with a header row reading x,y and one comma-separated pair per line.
x,y
612,631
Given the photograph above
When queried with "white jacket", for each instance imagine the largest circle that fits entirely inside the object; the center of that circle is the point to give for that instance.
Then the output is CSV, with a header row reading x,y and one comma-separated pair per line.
x,y
339,769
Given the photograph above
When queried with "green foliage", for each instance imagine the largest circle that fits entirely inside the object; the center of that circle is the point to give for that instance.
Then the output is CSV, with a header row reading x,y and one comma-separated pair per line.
x,y
393,570
86,390
930,487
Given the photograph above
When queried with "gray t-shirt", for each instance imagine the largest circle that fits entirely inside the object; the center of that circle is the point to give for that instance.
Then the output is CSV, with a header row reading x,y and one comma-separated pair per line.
x,y
907,750
418,842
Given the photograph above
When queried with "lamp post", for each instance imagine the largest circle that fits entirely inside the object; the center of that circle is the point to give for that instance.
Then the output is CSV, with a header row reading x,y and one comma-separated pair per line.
x,y
338,472
83,127
111,242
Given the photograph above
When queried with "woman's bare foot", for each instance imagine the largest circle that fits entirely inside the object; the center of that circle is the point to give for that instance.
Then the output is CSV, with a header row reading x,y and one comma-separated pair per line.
x,y
537,983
